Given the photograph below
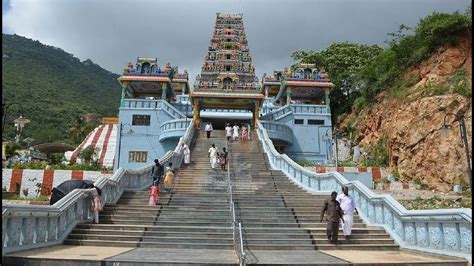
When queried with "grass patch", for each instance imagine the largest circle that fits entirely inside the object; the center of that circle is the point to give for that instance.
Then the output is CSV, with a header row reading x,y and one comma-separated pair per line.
x,y
436,202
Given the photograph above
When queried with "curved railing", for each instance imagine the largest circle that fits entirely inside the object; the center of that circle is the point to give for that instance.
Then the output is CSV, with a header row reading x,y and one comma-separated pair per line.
x,y
277,113
444,231
28,227
278,131
173,128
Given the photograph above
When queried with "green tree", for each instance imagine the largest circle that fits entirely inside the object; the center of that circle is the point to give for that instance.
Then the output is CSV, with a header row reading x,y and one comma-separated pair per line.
x,y
87,154
343,61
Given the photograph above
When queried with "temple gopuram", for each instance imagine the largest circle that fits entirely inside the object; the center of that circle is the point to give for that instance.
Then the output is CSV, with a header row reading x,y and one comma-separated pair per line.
x,y
227,79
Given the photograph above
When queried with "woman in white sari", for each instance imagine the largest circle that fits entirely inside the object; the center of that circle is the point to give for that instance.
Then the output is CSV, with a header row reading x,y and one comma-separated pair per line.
x,y
186,153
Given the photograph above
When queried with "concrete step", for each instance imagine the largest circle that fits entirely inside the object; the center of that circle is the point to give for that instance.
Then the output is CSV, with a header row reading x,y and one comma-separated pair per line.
x,y
160,244
101,237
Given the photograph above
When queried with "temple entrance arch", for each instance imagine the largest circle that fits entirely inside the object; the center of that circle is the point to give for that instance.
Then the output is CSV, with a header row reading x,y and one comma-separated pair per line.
x,y
233,106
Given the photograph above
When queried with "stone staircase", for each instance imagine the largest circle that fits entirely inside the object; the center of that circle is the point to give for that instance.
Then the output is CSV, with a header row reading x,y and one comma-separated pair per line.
x,y
195,215
280,221
278,215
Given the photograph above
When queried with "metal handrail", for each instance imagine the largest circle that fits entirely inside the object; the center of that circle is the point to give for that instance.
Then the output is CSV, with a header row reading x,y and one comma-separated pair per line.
x,y
240,253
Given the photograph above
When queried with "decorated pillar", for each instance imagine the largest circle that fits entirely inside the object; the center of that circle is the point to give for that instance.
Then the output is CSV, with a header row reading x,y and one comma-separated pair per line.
x,y
326,98
196,115
256,114
164,91
122,97
288,95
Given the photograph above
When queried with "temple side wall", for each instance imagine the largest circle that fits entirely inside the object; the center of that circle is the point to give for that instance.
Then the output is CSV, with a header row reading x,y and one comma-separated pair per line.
x,y
308,140
142,138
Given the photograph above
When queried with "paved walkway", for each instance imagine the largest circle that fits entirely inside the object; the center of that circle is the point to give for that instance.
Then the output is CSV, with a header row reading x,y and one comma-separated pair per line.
x,y
149,256
391,257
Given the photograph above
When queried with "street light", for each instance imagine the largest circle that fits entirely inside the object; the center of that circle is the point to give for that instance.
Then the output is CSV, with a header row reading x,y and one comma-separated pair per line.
x,y
462,130
20,123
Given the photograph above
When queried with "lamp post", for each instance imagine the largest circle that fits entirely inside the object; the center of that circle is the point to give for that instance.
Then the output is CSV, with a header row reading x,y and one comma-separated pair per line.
x,y
462,130
20,122
327,140
120,140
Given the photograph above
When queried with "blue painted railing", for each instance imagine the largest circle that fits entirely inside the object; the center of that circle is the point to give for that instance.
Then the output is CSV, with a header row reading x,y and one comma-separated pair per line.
x,y
173,128
288,109
278,131
444,231
28,227
153,104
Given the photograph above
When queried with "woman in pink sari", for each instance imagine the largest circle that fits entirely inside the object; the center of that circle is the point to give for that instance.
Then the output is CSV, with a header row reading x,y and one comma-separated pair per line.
x,y
154,195
245,133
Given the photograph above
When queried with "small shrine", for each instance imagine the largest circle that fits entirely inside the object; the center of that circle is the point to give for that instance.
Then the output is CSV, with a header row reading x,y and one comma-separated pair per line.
x,y
147,79
305,85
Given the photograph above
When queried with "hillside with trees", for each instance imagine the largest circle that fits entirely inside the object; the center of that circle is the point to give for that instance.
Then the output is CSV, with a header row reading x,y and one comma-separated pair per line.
x,y
392,102
55,90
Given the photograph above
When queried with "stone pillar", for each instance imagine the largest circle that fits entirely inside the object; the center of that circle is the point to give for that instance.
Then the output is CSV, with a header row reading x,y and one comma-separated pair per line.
x,y
326,98
256,114
196,115
122,97
288,95
164,91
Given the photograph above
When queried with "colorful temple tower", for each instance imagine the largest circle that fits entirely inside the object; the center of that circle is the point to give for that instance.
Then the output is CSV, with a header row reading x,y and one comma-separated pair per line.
x,y
297,114
227,79
149,125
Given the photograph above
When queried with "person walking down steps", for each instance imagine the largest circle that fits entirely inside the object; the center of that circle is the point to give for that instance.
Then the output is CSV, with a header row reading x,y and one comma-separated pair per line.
x,y
213,156
332,207
223,158
348,206
154,195
186,154
208,129
228,132
96,202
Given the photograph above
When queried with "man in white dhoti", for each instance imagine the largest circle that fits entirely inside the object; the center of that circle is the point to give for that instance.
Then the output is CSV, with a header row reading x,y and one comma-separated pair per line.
x,y
213,156
186,153
235,132
348,206
228,132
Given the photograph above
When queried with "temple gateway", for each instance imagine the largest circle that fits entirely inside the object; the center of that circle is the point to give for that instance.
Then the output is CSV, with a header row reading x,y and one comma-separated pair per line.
x,y
157,104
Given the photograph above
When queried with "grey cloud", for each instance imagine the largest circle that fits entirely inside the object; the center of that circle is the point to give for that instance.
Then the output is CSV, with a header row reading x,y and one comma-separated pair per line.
x,y
111,33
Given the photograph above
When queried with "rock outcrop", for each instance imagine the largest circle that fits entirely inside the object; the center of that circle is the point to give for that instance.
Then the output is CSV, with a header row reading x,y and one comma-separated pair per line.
x,y
411,127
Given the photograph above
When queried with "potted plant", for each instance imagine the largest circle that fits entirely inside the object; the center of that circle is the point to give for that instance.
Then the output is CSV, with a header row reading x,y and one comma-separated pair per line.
x,y
386,183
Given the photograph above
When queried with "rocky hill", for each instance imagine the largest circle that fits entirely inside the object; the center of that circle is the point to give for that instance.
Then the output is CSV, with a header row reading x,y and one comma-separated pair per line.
x,y
408,123
52,87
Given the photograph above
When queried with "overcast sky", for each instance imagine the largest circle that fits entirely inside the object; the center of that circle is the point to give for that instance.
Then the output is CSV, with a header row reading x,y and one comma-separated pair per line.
x,y
113,32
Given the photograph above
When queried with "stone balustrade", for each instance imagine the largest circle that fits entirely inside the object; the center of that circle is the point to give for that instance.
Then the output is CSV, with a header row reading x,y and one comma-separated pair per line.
x,y
27,227
444,231
283,111
173,128
153,104
278,131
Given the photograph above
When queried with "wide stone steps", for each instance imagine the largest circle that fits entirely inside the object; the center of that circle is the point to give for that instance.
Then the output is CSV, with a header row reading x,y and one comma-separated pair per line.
x,y
274,212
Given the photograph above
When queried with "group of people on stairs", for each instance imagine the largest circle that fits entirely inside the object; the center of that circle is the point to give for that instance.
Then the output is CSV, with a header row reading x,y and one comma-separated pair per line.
x,y
231,133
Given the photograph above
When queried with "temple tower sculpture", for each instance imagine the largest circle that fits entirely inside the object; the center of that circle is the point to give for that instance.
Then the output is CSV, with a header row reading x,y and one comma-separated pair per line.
x,y
227,79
